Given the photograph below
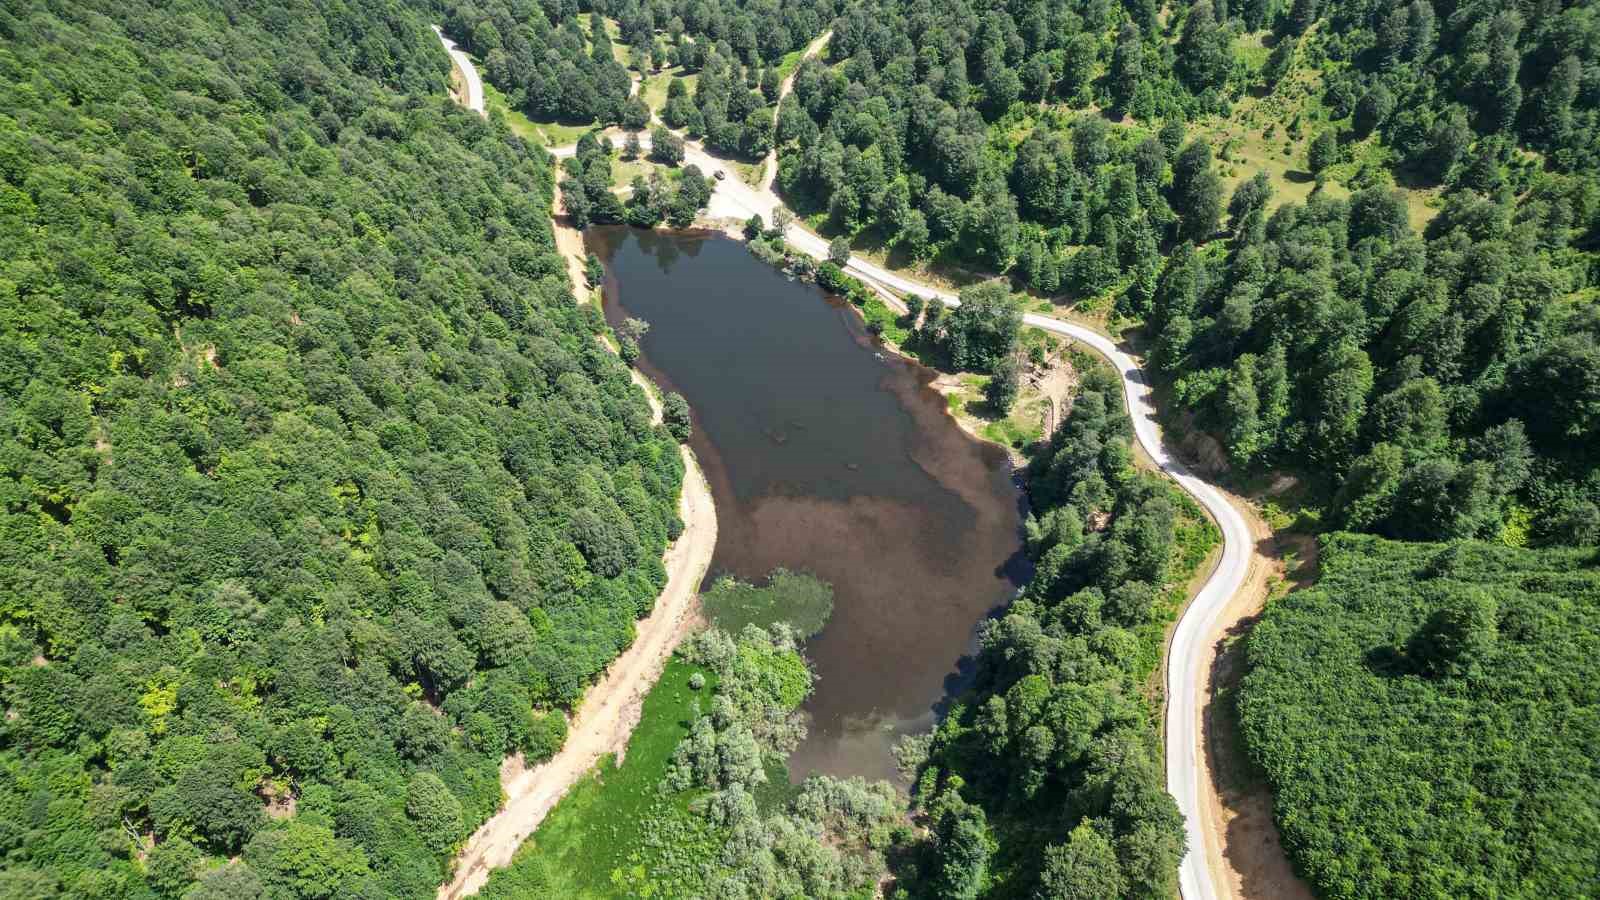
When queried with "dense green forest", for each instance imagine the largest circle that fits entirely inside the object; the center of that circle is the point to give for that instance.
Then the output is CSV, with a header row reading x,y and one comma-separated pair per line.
x,y
1341,335
1045,780
317,495
1388,325
1428,716
555,65
1437,275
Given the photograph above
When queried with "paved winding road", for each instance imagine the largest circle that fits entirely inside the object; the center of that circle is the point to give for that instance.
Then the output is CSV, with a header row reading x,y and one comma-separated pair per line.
x,y
1186,656
1186,675
469,72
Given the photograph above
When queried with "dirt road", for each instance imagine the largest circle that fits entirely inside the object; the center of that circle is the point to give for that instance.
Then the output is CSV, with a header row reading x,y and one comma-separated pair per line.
x,y
1243,848
769,166
1202,875
610,709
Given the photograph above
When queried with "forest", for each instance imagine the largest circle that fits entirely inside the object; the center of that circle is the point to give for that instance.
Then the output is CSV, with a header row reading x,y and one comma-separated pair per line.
x,y
555,64
317,495
1334,335
1427,696
1045,780
1381,332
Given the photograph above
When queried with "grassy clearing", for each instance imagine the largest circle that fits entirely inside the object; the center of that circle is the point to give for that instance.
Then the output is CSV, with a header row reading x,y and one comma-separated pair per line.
x,y
581,849
613,27
545,134
1021,427
790,62
654,91
892,326
1017,429
1271,132
624,170
613,31
654,88
749,173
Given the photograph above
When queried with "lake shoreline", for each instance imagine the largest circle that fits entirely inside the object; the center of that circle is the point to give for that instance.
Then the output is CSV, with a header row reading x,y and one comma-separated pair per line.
x,y
791,472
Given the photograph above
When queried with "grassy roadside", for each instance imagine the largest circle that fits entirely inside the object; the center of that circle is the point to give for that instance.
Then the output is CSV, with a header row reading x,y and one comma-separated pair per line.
x,y
545,134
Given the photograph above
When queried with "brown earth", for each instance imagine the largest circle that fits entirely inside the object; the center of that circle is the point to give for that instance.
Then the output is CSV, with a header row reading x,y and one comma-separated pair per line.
x,y
1245,852
610,709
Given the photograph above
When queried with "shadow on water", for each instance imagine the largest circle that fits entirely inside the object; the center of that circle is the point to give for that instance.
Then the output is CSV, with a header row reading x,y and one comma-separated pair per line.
x,y
829,456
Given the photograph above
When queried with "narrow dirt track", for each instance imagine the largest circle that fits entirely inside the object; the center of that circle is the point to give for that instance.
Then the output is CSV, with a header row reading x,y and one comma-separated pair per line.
x,y
769,166
1209,870
610,709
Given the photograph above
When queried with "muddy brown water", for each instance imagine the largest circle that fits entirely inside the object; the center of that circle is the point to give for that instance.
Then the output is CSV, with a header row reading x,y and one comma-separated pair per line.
x,y
828,455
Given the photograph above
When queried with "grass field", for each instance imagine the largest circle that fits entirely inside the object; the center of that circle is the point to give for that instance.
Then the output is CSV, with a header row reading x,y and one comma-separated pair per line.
x,y
654,89
1271,132
1017,429
624,170
749,173
790,62
582,848
545,134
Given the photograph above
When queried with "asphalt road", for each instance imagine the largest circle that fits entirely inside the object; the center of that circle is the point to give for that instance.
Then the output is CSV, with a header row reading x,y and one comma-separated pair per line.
x,y
1186,676
469,72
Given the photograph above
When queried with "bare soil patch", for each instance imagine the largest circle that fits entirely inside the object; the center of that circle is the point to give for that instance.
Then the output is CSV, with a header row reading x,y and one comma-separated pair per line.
x,y
611,708
1244,849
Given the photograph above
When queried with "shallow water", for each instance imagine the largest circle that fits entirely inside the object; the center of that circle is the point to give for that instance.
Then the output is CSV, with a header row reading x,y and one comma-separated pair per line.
x,y
827,456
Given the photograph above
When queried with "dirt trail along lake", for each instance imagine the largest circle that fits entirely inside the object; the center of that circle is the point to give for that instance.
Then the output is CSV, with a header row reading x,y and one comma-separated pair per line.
x,y
828,455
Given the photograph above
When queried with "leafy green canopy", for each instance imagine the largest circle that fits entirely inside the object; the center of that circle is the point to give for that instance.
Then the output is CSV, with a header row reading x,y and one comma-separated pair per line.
x,y
692,811
1046,777
553,65
1445,384
314,483
1427,717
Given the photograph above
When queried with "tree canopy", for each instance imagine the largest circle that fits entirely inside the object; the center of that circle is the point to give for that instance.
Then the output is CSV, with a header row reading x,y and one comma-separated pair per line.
x,y
1434,696
1045,777
319,495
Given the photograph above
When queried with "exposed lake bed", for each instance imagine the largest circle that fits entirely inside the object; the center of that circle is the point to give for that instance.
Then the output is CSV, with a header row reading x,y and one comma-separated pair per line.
x,y
828,455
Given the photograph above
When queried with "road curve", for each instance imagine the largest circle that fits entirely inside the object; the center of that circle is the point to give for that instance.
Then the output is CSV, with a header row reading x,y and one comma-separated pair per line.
x,y
469,72
1186,655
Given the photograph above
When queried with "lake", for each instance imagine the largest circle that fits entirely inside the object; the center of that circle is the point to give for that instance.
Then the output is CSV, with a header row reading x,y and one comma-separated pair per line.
x,y
827,455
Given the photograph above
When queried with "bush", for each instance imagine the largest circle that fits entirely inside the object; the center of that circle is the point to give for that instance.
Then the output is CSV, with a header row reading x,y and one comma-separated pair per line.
x,y
839,251
676,416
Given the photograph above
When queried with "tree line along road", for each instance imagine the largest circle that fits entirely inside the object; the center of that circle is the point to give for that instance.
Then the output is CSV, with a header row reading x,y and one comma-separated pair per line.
x,y
1185,671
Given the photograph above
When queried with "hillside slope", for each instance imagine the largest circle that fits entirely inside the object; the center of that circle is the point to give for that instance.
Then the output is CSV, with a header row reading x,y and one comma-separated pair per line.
x,y
317,495
1428,716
